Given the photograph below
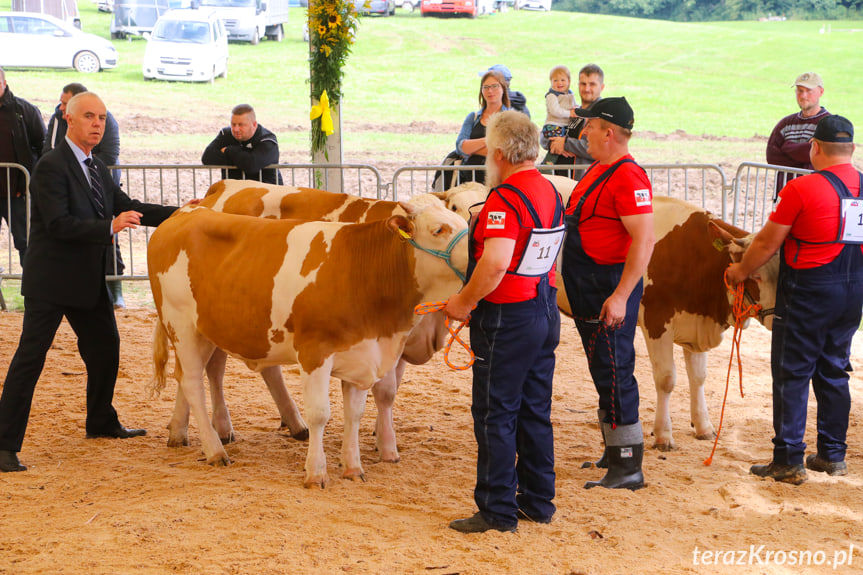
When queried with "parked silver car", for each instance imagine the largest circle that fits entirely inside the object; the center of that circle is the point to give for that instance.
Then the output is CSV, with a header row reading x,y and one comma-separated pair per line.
x,y
29,40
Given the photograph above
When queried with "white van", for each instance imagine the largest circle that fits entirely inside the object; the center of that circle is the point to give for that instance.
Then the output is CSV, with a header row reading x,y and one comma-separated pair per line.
x,y
252,20
187,45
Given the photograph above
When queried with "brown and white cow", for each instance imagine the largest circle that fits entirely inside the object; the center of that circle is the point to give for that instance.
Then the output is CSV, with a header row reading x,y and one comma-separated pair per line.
x,y
242,197
686,302
335,298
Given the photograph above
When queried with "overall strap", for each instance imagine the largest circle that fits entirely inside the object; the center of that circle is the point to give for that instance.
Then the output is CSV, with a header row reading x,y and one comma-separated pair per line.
x,y
558,205
606,175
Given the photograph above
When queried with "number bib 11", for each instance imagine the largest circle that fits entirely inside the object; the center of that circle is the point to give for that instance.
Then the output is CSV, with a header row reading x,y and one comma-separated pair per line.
x,y
539,256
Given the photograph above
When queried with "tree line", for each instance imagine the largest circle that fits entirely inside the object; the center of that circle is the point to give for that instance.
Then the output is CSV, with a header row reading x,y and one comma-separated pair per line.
x,y
704,10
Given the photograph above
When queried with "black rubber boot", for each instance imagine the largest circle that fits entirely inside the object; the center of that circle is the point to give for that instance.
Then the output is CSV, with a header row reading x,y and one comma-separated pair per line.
x,y
602,462
625,451
115,290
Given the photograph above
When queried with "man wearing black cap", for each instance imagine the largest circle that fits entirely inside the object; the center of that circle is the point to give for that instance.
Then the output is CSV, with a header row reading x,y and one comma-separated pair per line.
x,y
608,246
819,297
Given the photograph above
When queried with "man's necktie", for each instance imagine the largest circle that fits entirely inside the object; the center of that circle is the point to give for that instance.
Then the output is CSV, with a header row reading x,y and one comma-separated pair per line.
x,y
96,185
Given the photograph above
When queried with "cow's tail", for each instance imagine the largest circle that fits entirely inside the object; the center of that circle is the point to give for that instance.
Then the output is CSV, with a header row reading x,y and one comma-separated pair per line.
x,y
160,359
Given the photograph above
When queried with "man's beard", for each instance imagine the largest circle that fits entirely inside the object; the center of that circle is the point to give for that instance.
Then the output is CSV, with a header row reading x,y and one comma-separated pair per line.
x,y
492,174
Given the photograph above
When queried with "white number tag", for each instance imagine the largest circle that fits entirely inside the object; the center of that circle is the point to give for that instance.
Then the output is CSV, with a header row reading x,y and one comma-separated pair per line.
x,y
541,251
852,221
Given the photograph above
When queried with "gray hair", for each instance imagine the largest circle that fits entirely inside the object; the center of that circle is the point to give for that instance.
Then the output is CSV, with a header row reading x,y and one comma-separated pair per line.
x,y
514,135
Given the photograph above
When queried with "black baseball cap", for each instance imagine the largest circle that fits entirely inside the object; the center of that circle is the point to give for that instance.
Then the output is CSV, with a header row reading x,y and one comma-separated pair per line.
x,y
614,110
829,129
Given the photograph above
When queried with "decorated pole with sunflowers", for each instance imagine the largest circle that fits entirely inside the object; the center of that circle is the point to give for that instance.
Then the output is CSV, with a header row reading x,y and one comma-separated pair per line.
x,y
332,28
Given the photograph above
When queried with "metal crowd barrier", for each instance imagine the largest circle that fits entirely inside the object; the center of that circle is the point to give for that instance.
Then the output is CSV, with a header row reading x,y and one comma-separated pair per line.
x,y
756,187
702,184
10,266
177,184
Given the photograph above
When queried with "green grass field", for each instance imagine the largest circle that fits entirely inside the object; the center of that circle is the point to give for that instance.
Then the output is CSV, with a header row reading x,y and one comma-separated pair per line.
x,y
724,79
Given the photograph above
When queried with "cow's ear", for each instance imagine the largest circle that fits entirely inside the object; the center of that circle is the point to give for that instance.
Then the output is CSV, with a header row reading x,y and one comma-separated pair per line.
x,y
409,208
718,234
401,226
439,195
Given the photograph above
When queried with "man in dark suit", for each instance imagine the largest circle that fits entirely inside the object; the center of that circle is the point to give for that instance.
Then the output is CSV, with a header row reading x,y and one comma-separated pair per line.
x,y
76,207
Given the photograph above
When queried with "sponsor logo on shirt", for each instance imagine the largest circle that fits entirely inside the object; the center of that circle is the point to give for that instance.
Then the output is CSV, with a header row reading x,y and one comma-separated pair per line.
x,y
642,197
496,221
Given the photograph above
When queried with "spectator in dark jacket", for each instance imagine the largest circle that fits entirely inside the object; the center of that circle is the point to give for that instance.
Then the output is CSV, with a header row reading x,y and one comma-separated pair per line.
x,y
21,133
246,145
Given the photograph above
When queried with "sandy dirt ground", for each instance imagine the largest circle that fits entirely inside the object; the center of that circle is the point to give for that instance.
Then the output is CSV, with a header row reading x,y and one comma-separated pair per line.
x,y
137,506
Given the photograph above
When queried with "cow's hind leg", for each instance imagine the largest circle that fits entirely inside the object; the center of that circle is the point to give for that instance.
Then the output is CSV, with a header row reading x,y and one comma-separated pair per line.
x,y
661,352
355,405
291,418
216,377
178,427
193,356
384,392
696,370
316,393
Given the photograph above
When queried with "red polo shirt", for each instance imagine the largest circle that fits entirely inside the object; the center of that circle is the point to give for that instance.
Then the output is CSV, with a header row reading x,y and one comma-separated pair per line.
x,y
627,192
810,206
498,219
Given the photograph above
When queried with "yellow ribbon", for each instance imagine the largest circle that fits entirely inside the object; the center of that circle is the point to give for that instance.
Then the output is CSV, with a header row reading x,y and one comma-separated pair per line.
x,y
323,110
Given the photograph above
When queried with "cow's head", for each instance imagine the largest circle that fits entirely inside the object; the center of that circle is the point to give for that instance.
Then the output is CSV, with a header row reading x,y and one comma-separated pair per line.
x,y
760,288
440,239
460,198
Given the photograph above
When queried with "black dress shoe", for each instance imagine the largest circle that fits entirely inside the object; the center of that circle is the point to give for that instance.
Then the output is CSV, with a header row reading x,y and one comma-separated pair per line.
x,y
477,524
9,462
118,432
522,516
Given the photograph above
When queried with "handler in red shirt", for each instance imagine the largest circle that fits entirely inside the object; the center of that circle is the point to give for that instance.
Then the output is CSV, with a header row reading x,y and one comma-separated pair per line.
x,y
608,246
514,330
818,224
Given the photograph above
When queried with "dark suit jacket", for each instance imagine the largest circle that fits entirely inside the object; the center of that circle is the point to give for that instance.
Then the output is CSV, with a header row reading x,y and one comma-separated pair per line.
x,y
65,261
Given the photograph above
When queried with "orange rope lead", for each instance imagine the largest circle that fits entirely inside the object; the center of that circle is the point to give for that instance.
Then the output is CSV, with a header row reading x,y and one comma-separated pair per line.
x,y
433,306
742,312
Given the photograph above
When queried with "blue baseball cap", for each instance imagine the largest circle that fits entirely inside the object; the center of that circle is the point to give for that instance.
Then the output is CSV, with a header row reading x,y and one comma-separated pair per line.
x,y
500,68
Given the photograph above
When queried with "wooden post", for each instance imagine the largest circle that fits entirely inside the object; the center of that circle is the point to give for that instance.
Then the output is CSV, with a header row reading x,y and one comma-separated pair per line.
x,y
328,179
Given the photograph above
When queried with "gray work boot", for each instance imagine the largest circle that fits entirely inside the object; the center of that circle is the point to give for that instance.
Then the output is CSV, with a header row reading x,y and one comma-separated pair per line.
x,y
115,290
625,450
795,474
817,463
602,462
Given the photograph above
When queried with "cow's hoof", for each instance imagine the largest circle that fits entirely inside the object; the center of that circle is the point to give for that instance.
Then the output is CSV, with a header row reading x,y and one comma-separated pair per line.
x,y
354,475
219,460
709,436
230,439
301,435
179,442
390,456
319,481
664,446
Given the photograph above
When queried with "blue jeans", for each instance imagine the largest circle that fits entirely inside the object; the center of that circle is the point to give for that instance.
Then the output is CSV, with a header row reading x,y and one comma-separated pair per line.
x,y
512,382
